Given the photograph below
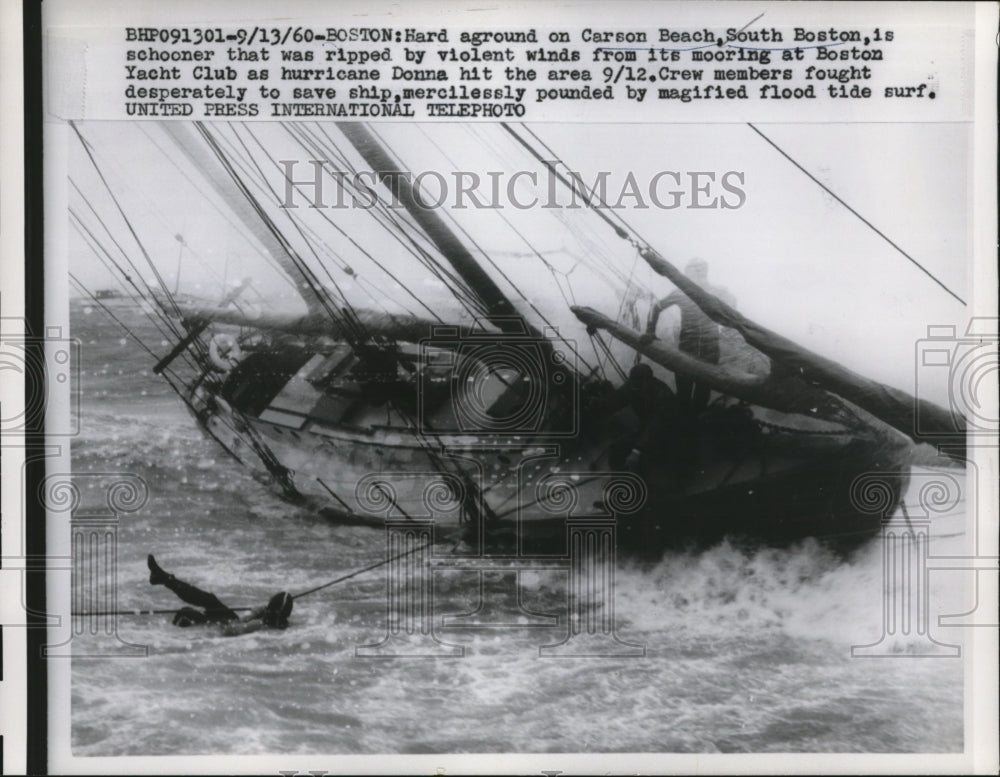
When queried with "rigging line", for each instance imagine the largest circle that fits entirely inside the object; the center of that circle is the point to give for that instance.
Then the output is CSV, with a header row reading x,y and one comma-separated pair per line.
x,y
484,140
562,293
307,276
91,240
79,284
240,230
455,222
128,224
368,568
306,144
597,356
157,212
159,318
625,226
513,228
628,287
98,249
81,287
350,315
82,228
301,595
595,243
399,162
107,231
408,228
606,216
407,218
134,299
635,239
394,226
403,224
109,613
131,297
263,185
291,219
361,281
610,356
865,221
261,181
126,257
369,287
230,166
620,231
343,265
453,282
557,158
504,275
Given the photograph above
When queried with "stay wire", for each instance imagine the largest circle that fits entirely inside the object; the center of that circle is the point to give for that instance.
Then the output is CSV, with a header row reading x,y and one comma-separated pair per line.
x,y
159,319
309,143
310,281
503,274
361,571
414,248
865,221
81,225
470,299
295,224
239,229
128,223
636,237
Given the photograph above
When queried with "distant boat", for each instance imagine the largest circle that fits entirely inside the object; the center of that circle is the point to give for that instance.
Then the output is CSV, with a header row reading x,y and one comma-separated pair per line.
x,y
493,427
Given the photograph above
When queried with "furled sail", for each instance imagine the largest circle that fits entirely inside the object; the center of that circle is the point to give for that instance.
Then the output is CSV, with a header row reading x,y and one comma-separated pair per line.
x,y
895,407
786,393
396,327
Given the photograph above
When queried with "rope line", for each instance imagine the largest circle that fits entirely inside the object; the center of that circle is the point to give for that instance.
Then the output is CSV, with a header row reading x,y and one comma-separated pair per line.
x,y
341,579
875,229
357,572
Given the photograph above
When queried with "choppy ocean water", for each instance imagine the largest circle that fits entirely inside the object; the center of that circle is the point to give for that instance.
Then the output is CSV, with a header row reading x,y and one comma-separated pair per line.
x,y
747,650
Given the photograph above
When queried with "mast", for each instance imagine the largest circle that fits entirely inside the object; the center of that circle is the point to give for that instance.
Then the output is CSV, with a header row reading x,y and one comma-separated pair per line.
x,y
198,152
501,311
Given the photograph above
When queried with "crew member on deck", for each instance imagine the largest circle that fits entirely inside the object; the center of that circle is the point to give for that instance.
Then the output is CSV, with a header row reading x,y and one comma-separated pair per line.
x,y
273,615
647,429
699,335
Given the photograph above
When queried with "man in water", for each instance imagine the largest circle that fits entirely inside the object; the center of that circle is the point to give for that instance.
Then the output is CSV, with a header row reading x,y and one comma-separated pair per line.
x,y
274,615
699,335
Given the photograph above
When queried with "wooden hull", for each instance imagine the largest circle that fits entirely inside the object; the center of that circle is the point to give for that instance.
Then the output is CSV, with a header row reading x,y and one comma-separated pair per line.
x,y
732,481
